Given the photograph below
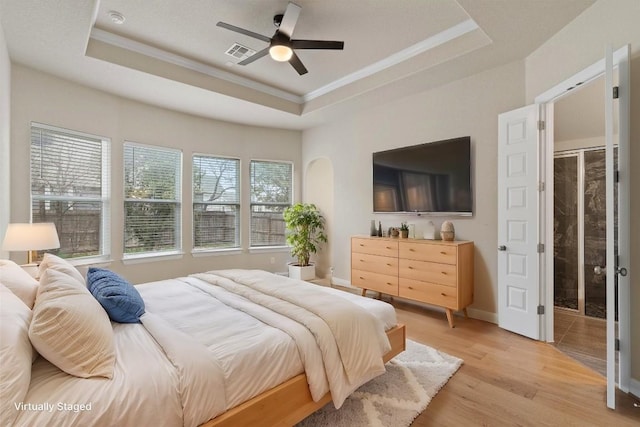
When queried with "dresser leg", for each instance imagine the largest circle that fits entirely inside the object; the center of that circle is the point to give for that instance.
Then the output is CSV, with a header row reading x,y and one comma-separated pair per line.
x,y
449,317
464,310
364,292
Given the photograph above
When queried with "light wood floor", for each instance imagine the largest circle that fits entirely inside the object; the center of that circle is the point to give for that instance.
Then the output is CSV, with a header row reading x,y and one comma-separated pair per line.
x,y
509,380
583,338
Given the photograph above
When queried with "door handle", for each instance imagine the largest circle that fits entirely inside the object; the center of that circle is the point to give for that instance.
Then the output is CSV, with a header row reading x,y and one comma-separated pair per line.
x,y
502,248
621,271
599,270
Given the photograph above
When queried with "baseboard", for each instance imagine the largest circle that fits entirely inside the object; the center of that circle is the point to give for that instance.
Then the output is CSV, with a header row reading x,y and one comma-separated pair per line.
x,y
342,282
487,316
634,387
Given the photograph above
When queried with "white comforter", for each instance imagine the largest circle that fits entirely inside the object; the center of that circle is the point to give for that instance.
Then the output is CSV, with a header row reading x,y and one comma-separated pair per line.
x,y
196,356
350,341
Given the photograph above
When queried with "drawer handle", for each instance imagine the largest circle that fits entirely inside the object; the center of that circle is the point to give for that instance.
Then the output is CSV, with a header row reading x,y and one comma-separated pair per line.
x,y
389,284
388,247
411,250
444,272
388,265
410,288
361,278
361,244
443,252
443,294
410,268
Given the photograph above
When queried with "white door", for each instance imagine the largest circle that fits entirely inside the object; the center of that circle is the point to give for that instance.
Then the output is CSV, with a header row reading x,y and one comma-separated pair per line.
x,y
617,258
518,204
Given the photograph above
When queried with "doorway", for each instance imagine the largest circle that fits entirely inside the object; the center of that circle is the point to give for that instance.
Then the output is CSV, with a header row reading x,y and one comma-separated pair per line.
x,y
525,214
614,67
580,307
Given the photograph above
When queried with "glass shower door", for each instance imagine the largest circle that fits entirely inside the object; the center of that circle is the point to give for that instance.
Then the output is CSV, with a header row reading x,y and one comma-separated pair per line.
x,y
595,237
566,232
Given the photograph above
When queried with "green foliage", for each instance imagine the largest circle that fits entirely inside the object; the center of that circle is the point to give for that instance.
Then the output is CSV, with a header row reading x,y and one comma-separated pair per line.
x,y
305,231
404,226
151,211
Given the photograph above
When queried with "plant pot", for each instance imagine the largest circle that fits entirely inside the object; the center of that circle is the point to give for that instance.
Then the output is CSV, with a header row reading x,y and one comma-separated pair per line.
x,y
404,234
302,273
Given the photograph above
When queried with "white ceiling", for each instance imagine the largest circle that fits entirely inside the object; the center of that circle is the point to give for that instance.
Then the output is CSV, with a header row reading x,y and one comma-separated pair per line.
x,y
171,53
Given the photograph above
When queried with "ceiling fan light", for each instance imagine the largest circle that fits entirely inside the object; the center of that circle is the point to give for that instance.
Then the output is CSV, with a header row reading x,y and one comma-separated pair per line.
x,y
280,52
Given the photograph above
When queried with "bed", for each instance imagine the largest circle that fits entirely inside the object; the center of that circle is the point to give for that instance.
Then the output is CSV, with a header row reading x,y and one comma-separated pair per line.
x,y
222,348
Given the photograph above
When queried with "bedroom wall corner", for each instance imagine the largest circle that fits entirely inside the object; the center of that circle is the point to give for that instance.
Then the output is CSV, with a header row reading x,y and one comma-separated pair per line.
x,y
318,189
469,106
5,134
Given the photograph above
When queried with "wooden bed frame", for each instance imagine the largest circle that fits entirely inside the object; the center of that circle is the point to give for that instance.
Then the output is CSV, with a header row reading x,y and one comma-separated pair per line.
x,y
290,402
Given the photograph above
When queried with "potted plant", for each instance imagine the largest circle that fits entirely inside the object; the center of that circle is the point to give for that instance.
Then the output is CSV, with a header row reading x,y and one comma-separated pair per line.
x,y
404,230
305,232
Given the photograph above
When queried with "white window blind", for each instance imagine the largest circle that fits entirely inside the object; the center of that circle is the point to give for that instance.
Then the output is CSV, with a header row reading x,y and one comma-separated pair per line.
x,y
271,194
216,202
152,199
70,187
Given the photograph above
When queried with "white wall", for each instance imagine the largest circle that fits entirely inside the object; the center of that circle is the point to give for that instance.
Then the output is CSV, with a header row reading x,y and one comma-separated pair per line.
x,y
319,174
43,98
5,126
575,47
465,107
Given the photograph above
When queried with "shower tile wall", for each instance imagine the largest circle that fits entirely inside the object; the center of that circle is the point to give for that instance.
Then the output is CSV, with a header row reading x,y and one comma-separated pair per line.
x,y
565,196
595,238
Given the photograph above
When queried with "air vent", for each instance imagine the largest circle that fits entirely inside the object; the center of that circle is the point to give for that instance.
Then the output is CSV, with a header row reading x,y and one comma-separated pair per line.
x,y
239,51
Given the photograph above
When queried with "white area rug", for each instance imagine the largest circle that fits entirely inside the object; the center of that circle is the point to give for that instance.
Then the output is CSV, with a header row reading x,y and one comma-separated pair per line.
x,y
395,398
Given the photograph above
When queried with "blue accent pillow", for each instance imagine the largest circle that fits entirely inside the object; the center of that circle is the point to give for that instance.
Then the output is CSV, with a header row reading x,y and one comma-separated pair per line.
x,y
120,299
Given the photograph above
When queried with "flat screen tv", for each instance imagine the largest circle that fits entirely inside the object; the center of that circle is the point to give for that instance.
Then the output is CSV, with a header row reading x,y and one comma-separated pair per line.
x,y
428,178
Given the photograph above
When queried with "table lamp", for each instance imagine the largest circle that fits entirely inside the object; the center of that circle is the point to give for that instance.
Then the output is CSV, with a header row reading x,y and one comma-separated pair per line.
x,y
31,238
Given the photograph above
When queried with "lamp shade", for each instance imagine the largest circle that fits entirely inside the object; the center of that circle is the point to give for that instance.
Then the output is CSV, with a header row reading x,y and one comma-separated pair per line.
x,y
280,53
280,49
31,237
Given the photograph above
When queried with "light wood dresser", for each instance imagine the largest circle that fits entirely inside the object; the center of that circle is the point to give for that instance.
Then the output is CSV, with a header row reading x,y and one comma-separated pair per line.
x,y
430,271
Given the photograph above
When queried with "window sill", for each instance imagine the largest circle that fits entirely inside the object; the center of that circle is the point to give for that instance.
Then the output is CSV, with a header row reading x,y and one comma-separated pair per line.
x,y
151,257
215,252
269,249
90,261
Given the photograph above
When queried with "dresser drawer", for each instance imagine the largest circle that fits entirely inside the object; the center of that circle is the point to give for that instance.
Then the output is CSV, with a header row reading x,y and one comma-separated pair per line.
x,y
444,254
374,247
375,281
431,293
374,263
442,274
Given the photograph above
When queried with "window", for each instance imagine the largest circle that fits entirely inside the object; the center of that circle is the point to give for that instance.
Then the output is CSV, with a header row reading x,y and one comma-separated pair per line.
x,y
271,193
152,199
70,187
216,202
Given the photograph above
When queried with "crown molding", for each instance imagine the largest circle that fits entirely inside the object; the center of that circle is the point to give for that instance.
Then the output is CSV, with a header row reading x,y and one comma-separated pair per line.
x,y
442,37
172,58
432,42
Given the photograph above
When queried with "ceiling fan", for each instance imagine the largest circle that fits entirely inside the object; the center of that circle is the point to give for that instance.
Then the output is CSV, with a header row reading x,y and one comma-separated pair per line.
x,y
281,46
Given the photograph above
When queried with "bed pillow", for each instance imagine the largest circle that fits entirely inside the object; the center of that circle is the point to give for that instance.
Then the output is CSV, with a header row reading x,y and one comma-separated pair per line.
x,y
54,262
16,353
18,281
70,329
119,298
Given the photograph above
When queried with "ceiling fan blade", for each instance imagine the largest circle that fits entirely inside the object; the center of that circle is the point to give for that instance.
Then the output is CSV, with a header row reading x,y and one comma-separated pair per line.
x,y
289,19
243,31
297,64
254,57
317,44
